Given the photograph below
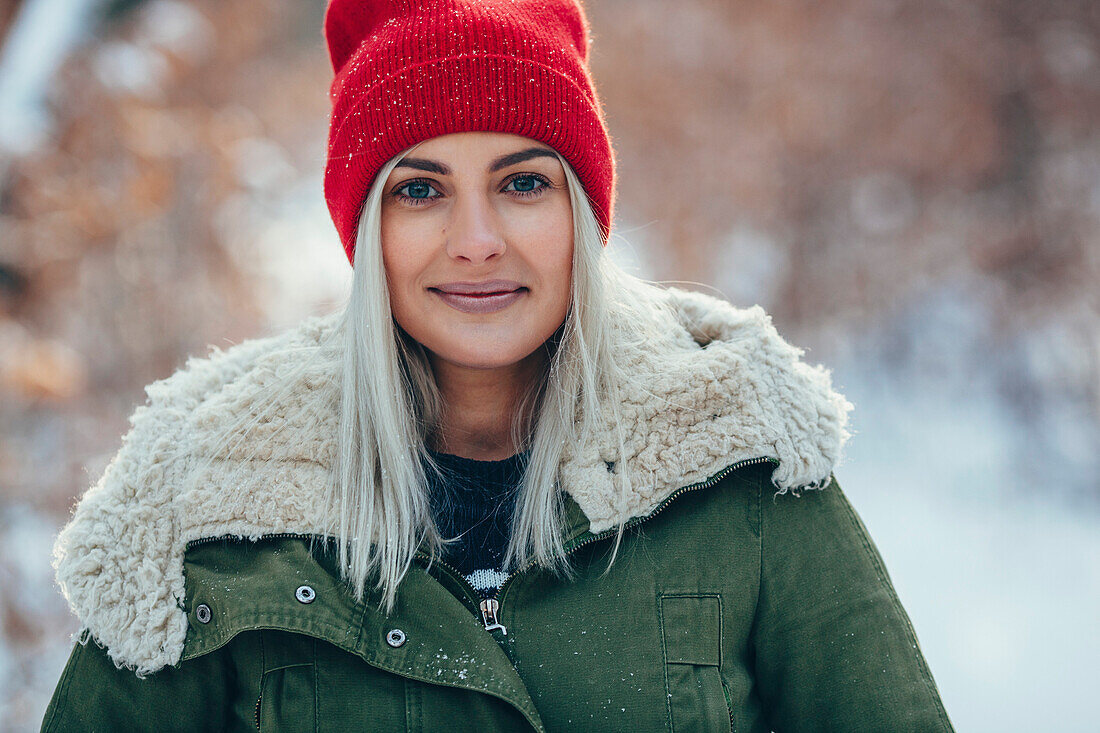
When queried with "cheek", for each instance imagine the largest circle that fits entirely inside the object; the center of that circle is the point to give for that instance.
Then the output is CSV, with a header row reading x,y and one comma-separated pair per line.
x,y
407,247
401,268
558,255
562,258
559,279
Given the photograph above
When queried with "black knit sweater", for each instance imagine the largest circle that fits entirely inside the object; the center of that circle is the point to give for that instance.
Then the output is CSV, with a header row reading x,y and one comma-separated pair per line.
x,y
473,505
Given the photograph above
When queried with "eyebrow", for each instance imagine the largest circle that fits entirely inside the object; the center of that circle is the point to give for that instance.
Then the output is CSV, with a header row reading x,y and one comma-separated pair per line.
x,y
431,166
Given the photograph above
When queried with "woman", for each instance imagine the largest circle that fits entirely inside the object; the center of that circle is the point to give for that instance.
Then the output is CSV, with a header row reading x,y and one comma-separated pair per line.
x,y
508,487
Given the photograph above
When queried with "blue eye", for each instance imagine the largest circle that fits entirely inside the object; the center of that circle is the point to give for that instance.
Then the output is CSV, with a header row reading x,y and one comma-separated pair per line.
x,y
419,190
525,185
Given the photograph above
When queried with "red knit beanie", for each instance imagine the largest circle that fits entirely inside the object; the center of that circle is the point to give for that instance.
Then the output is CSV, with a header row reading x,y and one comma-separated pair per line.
x,y
410,70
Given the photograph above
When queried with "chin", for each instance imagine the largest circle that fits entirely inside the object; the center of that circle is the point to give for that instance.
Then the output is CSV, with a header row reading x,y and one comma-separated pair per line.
x,y
477,349
472,355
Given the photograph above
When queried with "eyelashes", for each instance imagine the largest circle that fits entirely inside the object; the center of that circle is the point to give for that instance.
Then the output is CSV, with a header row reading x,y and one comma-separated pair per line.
x,y
421,184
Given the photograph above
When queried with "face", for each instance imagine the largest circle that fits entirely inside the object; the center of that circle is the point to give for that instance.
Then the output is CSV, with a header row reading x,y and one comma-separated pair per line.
x,y
477,243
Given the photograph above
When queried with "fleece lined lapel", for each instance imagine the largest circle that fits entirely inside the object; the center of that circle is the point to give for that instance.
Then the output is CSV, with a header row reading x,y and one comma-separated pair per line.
x,y
722,387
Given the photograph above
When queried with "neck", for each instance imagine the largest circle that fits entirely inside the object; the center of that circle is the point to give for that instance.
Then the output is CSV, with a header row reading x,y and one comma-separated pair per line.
x,y
480,404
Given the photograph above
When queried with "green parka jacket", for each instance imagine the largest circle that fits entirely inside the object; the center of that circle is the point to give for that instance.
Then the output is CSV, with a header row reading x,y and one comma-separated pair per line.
x,y
746,594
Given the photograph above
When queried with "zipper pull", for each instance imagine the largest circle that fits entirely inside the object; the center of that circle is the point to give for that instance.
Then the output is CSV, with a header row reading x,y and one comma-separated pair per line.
x,y
489,609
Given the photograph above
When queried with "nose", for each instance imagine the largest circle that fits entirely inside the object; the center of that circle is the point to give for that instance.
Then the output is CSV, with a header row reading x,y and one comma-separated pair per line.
x,y
473,232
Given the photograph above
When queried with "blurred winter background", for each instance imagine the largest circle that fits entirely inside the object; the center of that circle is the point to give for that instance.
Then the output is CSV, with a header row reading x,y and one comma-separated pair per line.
x,y
910,187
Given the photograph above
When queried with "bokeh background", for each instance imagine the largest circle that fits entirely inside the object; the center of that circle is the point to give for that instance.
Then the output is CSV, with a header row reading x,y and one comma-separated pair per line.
x,y
910,187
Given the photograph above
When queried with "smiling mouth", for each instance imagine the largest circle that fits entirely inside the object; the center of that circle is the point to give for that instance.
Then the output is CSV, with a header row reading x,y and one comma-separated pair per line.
x,y
488,302
480,295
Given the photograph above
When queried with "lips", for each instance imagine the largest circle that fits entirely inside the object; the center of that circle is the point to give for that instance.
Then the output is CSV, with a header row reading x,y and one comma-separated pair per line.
x,y
485,287
483,297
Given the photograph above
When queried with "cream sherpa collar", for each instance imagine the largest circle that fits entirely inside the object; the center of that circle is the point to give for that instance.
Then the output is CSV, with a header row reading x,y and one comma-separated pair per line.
x,y
723,386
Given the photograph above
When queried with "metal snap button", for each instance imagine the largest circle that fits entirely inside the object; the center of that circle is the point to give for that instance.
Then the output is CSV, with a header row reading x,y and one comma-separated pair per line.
x,y
202,613
395,638
305,594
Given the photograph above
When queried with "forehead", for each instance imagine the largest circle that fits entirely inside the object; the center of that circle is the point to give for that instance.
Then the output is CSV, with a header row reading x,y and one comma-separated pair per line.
x,y
488,151
485,142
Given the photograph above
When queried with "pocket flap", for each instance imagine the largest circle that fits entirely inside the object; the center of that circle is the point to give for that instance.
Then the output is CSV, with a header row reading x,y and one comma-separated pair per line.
x,y
691,629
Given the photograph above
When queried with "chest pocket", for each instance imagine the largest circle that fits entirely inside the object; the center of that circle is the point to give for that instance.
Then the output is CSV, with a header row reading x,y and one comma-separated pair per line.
x,y
691,639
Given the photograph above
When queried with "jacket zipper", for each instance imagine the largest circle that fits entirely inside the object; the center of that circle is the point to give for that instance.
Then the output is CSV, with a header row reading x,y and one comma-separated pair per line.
x,y
275,536
729,705
490,608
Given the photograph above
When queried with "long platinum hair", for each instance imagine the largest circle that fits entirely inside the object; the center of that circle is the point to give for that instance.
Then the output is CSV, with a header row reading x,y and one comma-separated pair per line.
x,y
377,499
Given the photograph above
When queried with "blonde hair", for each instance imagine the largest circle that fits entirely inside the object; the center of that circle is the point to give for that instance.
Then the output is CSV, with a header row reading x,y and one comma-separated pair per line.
x,y
377,499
